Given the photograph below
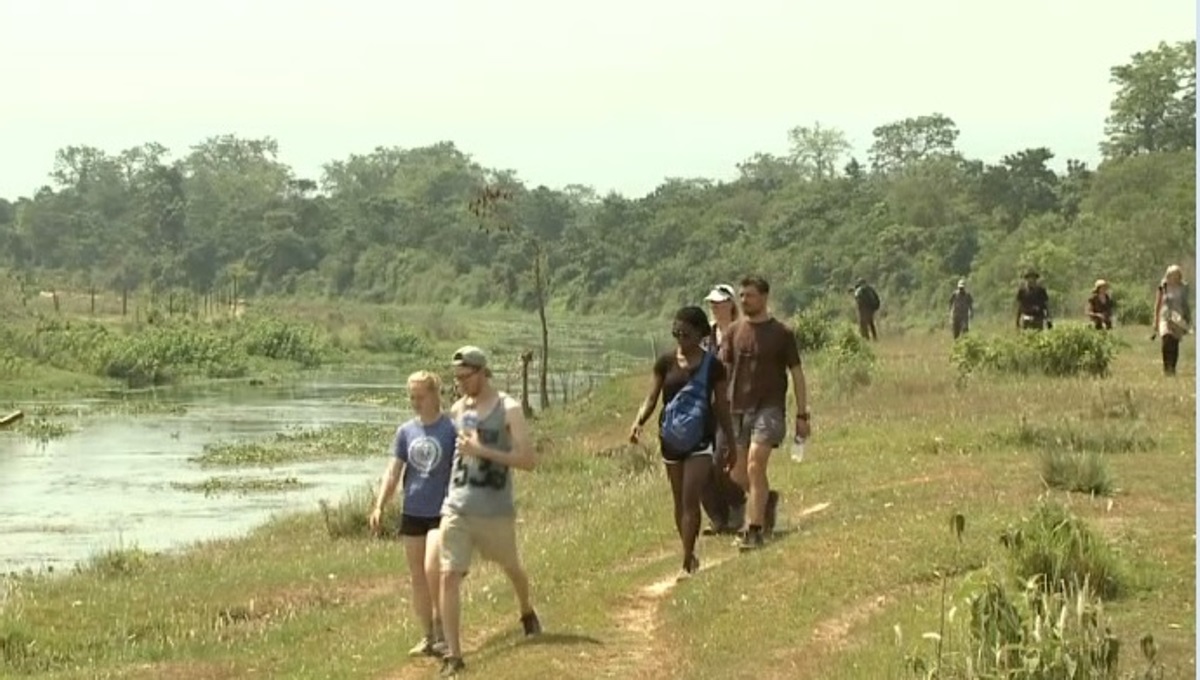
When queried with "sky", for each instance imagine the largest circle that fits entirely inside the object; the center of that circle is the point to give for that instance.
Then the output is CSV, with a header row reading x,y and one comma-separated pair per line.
x,y
618,95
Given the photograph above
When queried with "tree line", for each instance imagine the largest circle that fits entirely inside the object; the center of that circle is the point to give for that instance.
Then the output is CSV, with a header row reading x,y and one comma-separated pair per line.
x,y
912,216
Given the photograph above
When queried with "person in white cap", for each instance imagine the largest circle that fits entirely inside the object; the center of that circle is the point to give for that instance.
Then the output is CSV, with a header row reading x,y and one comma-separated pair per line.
x,y
962,308
723,500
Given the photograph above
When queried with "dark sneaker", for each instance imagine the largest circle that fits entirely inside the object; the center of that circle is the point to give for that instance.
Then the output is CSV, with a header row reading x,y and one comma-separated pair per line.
x,y
440,649
772,512
751,540
531,624
451,665
690,567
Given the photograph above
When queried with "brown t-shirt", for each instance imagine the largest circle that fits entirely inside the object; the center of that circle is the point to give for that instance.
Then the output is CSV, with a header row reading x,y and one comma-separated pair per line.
x,y
760,355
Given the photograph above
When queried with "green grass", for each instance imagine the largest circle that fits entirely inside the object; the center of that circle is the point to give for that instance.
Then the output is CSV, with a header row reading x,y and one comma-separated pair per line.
x,y
894,458
353,440
49,353
242,485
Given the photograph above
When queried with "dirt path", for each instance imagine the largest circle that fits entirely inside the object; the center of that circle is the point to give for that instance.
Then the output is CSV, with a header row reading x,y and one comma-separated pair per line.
x,y
642,653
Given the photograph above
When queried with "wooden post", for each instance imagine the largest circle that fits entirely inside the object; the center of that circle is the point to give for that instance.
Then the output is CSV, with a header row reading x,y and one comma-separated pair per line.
x,y
526,357
54,296
92,291
124,300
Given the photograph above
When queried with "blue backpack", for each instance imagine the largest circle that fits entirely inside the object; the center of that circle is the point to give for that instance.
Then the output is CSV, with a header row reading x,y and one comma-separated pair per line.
x,y
683,416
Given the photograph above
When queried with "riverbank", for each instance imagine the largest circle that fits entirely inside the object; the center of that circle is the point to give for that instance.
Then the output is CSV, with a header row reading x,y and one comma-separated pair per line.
x,y
47,352
846,592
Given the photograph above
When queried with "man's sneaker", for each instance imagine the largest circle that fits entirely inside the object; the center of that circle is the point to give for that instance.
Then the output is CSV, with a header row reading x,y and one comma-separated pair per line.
x,y
772,513
751,540
451,665
440,649
426,647
531,624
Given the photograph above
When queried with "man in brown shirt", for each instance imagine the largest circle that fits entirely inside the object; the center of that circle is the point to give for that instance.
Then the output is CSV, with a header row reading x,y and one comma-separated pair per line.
x,y
761,351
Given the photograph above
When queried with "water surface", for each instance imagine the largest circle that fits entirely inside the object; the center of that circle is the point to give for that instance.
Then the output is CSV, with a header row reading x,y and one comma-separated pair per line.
x,y
108,483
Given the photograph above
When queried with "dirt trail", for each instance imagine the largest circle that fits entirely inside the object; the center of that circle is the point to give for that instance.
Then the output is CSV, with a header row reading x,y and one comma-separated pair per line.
x,y
642,652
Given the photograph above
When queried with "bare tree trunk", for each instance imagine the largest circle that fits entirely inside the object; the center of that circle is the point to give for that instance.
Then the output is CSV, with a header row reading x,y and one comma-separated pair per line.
x,y
540,286
526,357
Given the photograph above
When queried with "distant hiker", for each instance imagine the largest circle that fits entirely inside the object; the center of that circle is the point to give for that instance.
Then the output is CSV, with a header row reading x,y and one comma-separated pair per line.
x,y
868,303
422,452
695,404
1100,306
962,309
1172,316
1033,304
479,513
762,352
723,500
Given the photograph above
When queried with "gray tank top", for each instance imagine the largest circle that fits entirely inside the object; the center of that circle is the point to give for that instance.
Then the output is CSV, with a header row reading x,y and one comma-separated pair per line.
x,y
481,487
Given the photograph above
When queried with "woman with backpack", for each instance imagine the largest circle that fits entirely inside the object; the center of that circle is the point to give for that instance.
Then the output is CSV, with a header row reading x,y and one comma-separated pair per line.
x,y
693,387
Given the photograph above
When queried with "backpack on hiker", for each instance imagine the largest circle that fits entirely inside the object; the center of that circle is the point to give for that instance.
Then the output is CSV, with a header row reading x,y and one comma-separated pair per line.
x,y
873,302
683,422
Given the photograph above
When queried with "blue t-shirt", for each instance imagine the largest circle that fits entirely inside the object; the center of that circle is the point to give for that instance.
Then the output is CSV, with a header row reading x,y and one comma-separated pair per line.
x,y
427,452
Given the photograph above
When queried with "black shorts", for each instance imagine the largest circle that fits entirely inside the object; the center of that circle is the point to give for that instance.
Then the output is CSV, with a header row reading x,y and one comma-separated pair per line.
x,y
411,525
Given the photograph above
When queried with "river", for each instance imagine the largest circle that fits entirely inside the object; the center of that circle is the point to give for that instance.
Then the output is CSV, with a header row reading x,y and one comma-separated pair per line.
x,y
108,484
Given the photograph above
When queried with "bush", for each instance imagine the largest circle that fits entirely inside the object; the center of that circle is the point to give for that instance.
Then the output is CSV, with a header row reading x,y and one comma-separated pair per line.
x,y
1063,351
1085,472
280,340
1019,629
1061,552
1139,312
395,340
350,517
815,325
851,361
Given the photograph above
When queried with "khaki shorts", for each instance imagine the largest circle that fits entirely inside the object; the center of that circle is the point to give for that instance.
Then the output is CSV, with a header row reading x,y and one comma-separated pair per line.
x,y
494,537
763,426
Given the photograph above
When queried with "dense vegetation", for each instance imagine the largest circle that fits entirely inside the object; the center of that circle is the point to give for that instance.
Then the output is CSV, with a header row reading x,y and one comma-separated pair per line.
x,y
391,225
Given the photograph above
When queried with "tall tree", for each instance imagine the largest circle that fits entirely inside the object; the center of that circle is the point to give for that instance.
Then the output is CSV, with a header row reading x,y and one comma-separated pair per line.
x,y
817,151
902,143
1155,105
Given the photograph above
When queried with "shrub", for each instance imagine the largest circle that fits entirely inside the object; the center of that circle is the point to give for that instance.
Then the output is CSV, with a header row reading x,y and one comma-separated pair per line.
x,y
1022,630
1085,472
275,339
815,325
1139,312
1061,552
349,518
850,360
395,340
1064,351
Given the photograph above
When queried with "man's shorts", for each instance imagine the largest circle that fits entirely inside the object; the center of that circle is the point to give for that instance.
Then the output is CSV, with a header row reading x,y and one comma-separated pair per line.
x,y
762,426
494,537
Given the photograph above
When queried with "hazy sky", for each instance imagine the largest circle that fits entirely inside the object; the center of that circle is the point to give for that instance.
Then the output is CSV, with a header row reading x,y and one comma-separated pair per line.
x,y
618,94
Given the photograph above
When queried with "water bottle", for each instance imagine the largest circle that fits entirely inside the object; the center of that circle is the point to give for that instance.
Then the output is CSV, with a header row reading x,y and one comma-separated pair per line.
x,y
797,448
469,422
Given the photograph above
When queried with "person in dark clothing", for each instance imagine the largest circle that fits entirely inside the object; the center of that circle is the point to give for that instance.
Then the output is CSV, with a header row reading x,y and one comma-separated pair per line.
x,y
1033,304
1100,306
868,303
688,367
962,308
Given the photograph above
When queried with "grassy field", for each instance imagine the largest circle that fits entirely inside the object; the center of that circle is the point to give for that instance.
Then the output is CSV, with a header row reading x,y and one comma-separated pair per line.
x,y
849,589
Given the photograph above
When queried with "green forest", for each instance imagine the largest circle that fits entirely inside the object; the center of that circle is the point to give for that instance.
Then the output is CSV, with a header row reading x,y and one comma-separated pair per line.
x,y
911,215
